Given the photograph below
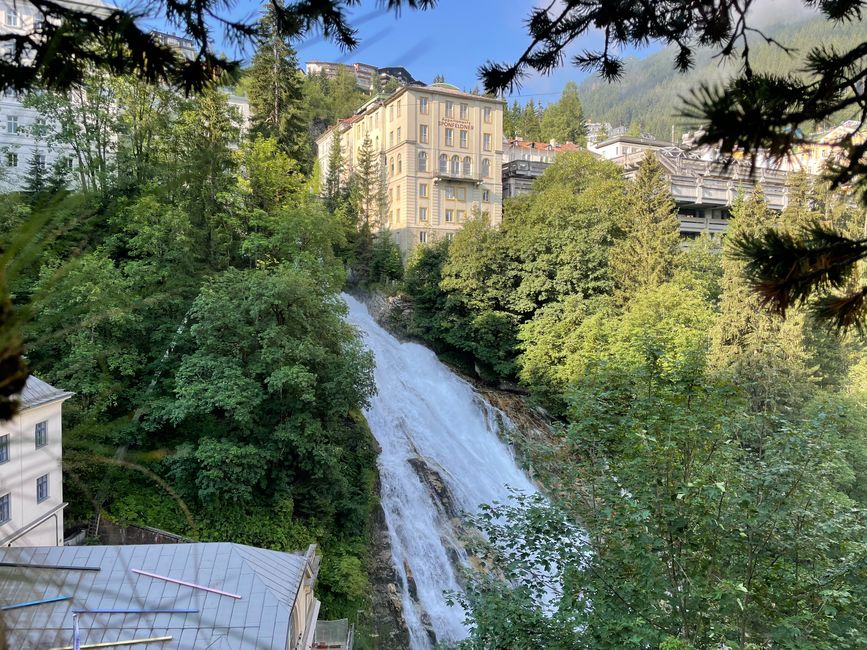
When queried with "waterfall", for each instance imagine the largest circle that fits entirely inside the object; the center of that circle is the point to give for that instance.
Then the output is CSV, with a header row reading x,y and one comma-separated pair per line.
x,y
441,456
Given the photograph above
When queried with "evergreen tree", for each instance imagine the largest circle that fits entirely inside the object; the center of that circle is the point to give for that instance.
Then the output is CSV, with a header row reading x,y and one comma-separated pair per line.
x,y
439,79
646,256
368,187
58,178
763,353
512,121
634,129
564,120
335,169
35,179
275,88
531,126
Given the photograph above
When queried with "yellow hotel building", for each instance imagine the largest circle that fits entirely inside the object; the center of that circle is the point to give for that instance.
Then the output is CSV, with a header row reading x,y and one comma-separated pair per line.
x,y
440,150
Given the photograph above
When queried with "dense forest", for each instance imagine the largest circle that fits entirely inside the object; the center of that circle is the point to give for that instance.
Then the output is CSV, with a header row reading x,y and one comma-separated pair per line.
x,y
707,469
187,291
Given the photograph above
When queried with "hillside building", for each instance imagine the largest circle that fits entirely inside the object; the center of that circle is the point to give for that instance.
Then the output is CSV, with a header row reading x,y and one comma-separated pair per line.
x,y
31,481
524,161
440,151
366,76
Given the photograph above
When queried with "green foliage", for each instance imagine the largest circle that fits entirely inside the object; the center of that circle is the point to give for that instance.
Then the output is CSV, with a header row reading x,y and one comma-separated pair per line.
x,y
564,120
274,85
647,254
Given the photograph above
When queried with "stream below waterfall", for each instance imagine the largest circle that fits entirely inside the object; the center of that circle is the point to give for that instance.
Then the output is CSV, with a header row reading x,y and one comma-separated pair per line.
x,y
441,456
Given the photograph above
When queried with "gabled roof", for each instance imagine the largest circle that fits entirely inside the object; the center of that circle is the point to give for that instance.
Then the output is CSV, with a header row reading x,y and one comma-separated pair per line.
x,y
37,392
266,581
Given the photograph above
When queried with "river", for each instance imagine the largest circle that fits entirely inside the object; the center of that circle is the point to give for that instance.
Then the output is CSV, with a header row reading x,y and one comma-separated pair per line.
x,y
441,456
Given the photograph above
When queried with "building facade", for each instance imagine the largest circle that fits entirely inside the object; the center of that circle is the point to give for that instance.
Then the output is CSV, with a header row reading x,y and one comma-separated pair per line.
x,y
365,75
31,480
440,150
524,161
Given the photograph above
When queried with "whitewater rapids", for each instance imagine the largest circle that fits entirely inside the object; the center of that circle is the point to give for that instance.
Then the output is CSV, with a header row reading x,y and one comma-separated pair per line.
x,y
433,429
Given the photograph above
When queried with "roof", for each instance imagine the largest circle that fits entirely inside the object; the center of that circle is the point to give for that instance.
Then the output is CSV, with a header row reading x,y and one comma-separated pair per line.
x,y
629,139
266,581
37,392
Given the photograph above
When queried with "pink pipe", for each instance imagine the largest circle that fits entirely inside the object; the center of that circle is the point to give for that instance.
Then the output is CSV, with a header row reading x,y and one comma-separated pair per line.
x,y
186,584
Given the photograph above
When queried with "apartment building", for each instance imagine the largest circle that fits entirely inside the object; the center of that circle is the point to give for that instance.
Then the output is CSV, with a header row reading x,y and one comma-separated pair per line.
x,y
31,483
366,76
441,152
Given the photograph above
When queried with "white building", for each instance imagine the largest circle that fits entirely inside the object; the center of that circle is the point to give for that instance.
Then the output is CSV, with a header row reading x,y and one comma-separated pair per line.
x,y
31,481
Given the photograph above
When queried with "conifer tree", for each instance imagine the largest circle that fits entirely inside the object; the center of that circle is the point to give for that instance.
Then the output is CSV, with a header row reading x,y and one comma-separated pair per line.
x,y
531,126
646,256
275,89
335,169
512,121
764,354
368,187
564,120
35,180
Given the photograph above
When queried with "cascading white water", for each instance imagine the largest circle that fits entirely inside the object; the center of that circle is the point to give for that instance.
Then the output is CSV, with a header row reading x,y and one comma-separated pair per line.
x,y
432,428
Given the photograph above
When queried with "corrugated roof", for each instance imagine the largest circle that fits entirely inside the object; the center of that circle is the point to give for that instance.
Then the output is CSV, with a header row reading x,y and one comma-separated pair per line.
x,y
267,582
37,392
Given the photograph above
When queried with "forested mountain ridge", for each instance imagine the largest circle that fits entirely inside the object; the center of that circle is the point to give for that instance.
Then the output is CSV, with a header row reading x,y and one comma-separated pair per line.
x,y
651,90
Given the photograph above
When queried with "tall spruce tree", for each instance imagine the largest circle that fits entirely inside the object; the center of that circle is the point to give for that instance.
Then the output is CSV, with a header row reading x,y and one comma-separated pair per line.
x,y
512,121
531,126
764,354
368,187
335,170
646,256
564,120
275,89
35,180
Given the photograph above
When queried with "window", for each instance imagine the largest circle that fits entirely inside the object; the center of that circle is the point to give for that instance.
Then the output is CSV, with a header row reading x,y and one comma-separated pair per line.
x,y
4,448
450,192
11,18
397,216
41,434
461,194
68,161
422,237
450,109
391,112
450,236
486,142
397,193
468,166
398,108
422,161
460,216
486,167
11,159
422,105
450,137
391,166
398,135
422,214
422,190
5,508
486,195
391,138
450,216
12,124
444,163
456,165
463,139
487,114
422,134
42,488
399,164
465,111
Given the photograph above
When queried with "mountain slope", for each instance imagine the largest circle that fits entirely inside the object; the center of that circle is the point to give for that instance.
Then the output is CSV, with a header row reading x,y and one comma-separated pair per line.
x,y
650,90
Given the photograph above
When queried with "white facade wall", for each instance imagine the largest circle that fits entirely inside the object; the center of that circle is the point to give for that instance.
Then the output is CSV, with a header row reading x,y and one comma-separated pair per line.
x,y
33,523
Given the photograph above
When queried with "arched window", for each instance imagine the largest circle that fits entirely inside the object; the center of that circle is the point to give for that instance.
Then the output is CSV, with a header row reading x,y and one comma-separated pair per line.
x,y
456,165
422,161
486,167
391,167
399,164
468,166
444,163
